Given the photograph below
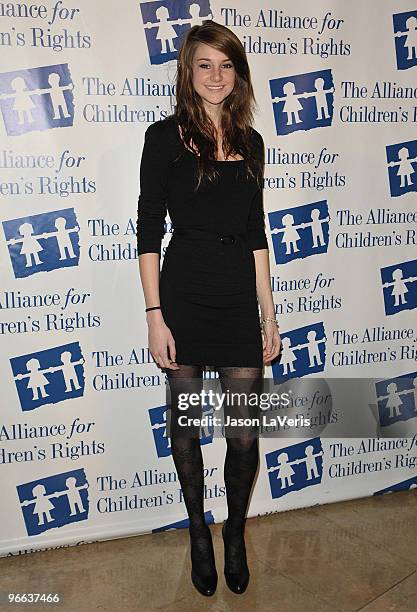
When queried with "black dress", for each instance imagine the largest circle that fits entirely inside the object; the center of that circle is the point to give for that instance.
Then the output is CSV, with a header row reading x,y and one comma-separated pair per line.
x,y
208,281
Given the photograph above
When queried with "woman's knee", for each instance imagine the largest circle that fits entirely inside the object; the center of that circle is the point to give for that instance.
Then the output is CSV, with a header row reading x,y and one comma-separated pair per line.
x,y
242,444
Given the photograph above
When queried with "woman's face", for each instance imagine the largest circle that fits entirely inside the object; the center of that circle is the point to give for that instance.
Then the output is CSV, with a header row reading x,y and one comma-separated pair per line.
x,y
213,75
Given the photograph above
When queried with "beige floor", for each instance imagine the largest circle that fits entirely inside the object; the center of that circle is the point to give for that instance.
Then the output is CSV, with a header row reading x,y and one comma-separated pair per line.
x,y
354,555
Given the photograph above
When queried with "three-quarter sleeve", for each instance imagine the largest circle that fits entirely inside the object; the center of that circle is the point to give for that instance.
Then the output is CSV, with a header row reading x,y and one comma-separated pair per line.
x,y
152,202
256,221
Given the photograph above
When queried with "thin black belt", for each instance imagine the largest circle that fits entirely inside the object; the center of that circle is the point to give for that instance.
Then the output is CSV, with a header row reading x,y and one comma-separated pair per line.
x,y
201,234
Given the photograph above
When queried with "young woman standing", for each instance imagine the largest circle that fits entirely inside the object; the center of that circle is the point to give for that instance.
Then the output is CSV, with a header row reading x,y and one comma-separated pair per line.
x,y
204,165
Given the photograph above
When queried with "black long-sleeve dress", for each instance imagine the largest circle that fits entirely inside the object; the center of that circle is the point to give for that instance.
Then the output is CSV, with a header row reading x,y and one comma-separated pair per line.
x,y
208,280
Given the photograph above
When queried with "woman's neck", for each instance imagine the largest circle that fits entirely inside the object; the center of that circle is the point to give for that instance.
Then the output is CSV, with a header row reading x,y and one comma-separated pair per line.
x,y
215,112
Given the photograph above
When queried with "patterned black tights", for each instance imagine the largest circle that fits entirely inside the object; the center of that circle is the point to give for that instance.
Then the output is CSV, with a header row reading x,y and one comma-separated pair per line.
x,y
241,460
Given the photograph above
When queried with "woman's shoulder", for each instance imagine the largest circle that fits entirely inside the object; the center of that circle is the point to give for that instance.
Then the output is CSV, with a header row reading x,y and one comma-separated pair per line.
x,y
257,143
257,137
162,131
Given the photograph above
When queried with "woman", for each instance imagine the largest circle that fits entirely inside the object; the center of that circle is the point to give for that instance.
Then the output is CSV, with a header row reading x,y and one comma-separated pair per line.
x,y
204,164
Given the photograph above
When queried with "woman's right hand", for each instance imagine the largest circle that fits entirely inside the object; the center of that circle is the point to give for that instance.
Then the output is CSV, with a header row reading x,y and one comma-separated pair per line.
x,y
161,344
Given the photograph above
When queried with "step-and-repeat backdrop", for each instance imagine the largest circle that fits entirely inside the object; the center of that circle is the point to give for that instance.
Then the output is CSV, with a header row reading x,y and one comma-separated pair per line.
x,y
84,454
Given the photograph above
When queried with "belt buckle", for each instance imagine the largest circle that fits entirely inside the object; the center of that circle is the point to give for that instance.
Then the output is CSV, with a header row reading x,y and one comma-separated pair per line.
x,y
228,239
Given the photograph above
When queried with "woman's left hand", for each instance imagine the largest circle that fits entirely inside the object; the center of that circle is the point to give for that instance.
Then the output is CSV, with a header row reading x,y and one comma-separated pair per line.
x,y
271,343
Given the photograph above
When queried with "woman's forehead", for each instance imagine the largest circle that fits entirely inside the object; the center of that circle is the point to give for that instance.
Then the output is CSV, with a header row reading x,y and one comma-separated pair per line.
x,y
207,52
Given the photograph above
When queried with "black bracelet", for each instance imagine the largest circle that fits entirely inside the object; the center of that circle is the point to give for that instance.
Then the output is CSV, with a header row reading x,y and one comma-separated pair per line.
x,y
152,308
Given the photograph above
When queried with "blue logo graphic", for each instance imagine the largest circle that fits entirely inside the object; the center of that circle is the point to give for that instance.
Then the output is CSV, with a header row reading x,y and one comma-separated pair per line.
x,y
303,352
402,166
49,376
405,29
397,399
295,467
165,23
36,99
158,419
41,243
302,101
400,286
300,232
209,518
404,485
54,501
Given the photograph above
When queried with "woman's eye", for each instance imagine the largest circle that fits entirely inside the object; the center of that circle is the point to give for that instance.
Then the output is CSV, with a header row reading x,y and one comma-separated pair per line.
x,y
208,65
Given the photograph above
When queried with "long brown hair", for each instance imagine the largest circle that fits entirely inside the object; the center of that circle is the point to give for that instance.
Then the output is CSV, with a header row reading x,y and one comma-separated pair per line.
x,y
238,107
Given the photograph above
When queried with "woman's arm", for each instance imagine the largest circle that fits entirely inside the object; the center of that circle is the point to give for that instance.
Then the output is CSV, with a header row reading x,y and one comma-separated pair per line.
x,y
149,276
271,337
263,283
161,342
259,245
152,209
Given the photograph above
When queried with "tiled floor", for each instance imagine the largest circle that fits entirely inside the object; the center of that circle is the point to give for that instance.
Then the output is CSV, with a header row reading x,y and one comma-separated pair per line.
x,y
354,555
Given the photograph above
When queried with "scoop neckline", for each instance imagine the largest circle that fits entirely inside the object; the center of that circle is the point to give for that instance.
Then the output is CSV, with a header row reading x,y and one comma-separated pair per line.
x,y
217,161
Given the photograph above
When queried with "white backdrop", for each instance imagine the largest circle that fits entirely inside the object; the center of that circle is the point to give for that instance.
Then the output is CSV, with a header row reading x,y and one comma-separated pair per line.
x,y
83,451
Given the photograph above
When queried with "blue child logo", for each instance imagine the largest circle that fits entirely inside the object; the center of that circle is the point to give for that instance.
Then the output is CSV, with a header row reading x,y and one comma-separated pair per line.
x,y
157,417
300,232
208,516
303,352
49,376
36,99
399,284
405,32
160,427
303,101
295,467
402,166
54,501
44,242
397,399
165,23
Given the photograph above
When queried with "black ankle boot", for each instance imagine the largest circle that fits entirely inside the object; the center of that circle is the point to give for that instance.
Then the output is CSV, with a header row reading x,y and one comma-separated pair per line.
x,y
236,571
203,572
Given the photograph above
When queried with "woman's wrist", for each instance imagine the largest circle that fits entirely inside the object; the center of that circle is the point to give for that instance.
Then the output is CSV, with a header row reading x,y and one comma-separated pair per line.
x,y
267,320
266,305
268,311
154,316
268,314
